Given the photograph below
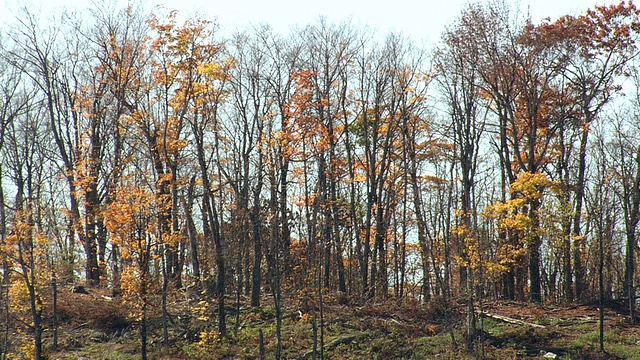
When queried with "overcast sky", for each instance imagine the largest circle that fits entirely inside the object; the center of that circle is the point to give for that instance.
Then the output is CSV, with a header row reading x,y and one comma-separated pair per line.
x,y
422,20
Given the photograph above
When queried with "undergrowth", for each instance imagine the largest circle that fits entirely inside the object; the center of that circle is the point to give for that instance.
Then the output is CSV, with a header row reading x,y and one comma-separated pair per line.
x,y
96,326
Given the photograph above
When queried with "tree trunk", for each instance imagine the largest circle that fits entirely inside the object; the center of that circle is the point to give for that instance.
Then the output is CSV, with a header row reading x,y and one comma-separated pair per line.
x,y
92,268
534,254
579,271
143,334
193,242
54,290
632,213
629,272
256,273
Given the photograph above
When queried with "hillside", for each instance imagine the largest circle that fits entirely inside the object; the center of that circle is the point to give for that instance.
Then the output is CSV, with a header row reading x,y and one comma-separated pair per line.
x,y
95,326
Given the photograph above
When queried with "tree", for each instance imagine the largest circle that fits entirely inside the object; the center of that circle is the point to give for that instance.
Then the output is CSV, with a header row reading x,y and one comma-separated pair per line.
x,y
596,48
24,245
524,94
131,219
43,61
600,200
328,58
112,70
460,82
195,74
625,157
283,58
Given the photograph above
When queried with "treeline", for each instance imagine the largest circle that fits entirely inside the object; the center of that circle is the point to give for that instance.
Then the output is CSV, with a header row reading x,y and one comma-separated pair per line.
x,y
144,153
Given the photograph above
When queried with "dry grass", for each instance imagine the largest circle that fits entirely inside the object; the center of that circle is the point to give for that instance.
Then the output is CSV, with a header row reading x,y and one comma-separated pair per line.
x,y
96,327
95,311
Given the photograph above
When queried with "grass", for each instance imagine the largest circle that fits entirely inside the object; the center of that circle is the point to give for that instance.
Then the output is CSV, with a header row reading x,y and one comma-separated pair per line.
x,y
354,331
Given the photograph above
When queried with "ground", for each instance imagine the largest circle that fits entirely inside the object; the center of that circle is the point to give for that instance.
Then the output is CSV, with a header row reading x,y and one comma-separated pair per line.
x,y
95,326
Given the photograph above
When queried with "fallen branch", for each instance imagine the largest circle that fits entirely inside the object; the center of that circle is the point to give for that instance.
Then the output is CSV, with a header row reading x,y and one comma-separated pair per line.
x,y
81,325
511,320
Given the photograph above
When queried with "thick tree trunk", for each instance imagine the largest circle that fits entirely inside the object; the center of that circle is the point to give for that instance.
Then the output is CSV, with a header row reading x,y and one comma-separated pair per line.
x,y
36,314
508,285
92,207
92,268
89,241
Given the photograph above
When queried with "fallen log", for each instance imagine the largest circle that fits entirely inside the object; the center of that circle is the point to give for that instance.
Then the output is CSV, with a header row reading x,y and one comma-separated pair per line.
x,y
511,320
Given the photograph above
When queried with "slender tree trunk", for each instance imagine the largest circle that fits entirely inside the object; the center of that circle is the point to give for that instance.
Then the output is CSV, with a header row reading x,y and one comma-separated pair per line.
x,y
601,286
165,313
565,203
4,281
355,225
567,268
471,318
193,240
632,217
274,264
220,280
579,270
241,254
629,272
54,290
35,304
534,254
5,330
261,344
256,273
143,334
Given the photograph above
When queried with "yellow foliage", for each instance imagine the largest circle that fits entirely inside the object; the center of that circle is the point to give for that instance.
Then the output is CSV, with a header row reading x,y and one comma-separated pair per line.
x,y
494,268
174,239
26,350
212,69
513,214
173,146
208,338
202,309
19,295
532,185
518,221
517,217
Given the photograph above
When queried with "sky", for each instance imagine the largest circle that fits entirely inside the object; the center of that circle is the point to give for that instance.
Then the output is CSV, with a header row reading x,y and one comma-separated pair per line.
x,y
421,20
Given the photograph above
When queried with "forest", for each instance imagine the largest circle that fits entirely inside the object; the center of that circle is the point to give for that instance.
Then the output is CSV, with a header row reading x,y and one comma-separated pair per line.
x,y
196,193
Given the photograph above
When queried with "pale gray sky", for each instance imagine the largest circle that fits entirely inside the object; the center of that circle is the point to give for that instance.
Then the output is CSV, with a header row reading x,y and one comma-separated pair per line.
x,y
421,20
